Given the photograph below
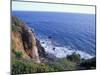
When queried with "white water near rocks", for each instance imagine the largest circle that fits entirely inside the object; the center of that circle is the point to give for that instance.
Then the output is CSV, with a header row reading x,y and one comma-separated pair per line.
x,y
60,51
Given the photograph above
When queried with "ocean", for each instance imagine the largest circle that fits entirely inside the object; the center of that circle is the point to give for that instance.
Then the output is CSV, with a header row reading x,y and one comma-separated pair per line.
x,y
62,33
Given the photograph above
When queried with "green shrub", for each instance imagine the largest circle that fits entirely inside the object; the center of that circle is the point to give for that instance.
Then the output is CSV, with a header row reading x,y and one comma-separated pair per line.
x,y
18,54
25,67
19,67
74,58
16,28
16,24
62,65
67,65
43,68
89,64
16,21
56,66
13,46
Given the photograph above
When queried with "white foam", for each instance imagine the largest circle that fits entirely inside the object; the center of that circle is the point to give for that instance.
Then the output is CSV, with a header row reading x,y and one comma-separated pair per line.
x,y
61,52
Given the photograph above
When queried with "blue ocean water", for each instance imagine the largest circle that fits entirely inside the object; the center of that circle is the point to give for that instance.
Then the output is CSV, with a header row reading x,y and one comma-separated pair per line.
x,y
62,33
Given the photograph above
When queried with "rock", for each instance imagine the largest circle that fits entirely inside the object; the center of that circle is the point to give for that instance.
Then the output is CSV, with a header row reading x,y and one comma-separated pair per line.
x,y
23,39
49,37
54,48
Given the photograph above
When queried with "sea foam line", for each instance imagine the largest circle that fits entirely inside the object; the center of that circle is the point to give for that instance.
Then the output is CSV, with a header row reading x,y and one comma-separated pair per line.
x,y
60,51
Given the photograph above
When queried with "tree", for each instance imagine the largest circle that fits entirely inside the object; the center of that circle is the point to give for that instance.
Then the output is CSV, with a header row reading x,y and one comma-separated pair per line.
x,y
74,57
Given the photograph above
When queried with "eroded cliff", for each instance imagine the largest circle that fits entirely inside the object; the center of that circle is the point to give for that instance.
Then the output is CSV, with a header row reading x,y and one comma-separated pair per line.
x,y
24,40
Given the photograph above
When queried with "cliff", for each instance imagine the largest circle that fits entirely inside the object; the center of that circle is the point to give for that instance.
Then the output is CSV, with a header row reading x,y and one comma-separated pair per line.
x,y
24,41
26,46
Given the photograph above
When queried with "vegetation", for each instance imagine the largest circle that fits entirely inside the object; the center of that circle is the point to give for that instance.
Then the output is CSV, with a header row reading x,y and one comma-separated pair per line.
x,y
24,67
16,28
20,66
18,54
16,23
67,64
62,65
74,57
13,46
89,64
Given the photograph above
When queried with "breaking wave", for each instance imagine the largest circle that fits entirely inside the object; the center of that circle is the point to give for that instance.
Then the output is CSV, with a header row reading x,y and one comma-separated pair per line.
x,y
62,51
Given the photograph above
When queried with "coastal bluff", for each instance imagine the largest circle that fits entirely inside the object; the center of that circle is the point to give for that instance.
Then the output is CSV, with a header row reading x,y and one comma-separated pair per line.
x,y
24,41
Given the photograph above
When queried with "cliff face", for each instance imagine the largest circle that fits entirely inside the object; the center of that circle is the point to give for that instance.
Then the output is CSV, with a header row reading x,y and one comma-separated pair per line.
x,y
24,40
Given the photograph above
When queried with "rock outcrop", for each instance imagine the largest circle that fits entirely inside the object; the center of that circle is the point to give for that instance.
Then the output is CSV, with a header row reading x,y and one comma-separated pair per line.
x,y
24,40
